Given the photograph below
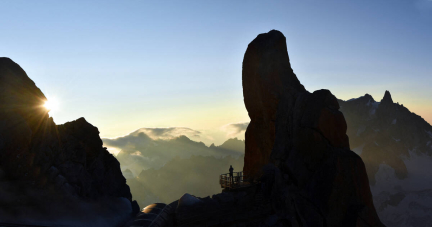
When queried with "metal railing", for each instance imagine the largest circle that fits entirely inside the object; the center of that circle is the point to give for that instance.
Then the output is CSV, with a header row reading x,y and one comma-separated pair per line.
x,y
237,180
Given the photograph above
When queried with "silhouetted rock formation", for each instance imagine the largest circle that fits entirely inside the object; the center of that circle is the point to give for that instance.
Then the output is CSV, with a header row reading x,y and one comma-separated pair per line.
x,y
55,161
300,140
396,146
387,98
247,207
268,80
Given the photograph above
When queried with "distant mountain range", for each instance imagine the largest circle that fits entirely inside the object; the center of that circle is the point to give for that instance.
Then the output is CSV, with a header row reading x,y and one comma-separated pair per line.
x,y
152,165
396,147
139,151
197,175
394,143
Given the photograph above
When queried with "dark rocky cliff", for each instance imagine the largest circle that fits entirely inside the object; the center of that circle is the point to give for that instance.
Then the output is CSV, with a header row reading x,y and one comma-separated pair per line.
x,y
47,161
297,145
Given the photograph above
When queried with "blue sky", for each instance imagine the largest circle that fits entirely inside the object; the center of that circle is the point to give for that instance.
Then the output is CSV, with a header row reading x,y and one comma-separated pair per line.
x,y
124,65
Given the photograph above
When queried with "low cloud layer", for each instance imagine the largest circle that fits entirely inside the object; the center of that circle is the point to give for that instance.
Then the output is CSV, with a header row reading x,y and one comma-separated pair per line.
x,y
169,133
154,159
235,129
145,137
153,147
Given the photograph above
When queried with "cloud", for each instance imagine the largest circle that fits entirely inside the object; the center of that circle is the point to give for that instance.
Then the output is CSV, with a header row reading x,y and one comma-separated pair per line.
x,y
145,137
235,129
148,148
168,133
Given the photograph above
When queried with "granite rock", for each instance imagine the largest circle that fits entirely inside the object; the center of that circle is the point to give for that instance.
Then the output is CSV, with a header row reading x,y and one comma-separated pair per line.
x,y
303,135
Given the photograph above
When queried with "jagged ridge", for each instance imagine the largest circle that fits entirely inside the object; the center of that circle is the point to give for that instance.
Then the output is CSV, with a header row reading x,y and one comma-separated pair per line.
x,y
51,161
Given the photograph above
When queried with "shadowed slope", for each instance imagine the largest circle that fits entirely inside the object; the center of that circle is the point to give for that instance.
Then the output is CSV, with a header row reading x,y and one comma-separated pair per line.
x,y
51,168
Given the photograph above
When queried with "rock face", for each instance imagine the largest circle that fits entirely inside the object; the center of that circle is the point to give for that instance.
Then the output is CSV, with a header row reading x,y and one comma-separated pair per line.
x,y
296,144
247,207
268,80
53,161
396,146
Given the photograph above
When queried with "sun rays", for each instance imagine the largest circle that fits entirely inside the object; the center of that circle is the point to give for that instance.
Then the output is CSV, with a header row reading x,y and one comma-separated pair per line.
x,y
51,105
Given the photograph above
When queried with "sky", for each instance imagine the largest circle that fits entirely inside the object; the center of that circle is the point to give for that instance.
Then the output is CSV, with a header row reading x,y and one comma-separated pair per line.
x,y
125,65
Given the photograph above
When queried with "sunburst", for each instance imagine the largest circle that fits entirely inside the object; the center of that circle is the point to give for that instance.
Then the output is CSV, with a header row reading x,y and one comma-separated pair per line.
x,y
51,105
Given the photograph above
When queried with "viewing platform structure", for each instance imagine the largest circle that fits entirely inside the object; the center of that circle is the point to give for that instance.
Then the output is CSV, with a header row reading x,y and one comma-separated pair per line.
x,y
238,180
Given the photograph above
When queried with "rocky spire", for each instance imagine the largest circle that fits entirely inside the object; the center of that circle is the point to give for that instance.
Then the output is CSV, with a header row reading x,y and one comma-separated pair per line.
x,y
296,142
387,98
269,84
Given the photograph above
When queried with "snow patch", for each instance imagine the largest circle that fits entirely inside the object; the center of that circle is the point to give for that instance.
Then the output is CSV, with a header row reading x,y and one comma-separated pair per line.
x,y
406,202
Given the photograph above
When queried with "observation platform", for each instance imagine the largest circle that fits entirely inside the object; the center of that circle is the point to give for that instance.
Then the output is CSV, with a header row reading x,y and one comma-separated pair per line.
x,y
237,180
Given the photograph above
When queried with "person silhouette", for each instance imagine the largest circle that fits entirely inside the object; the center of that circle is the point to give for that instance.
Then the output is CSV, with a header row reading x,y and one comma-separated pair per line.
x,y
231,174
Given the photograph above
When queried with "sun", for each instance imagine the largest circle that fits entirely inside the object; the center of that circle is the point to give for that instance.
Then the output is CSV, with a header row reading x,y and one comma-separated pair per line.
x,y
51,105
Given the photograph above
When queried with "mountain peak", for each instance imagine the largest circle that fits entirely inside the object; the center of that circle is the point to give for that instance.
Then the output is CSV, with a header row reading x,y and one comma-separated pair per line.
x,y
368,96
387,98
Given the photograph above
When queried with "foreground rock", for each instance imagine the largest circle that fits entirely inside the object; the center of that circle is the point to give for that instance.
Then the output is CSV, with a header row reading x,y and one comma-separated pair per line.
x,y
297,145
247,207
396,146
52,173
